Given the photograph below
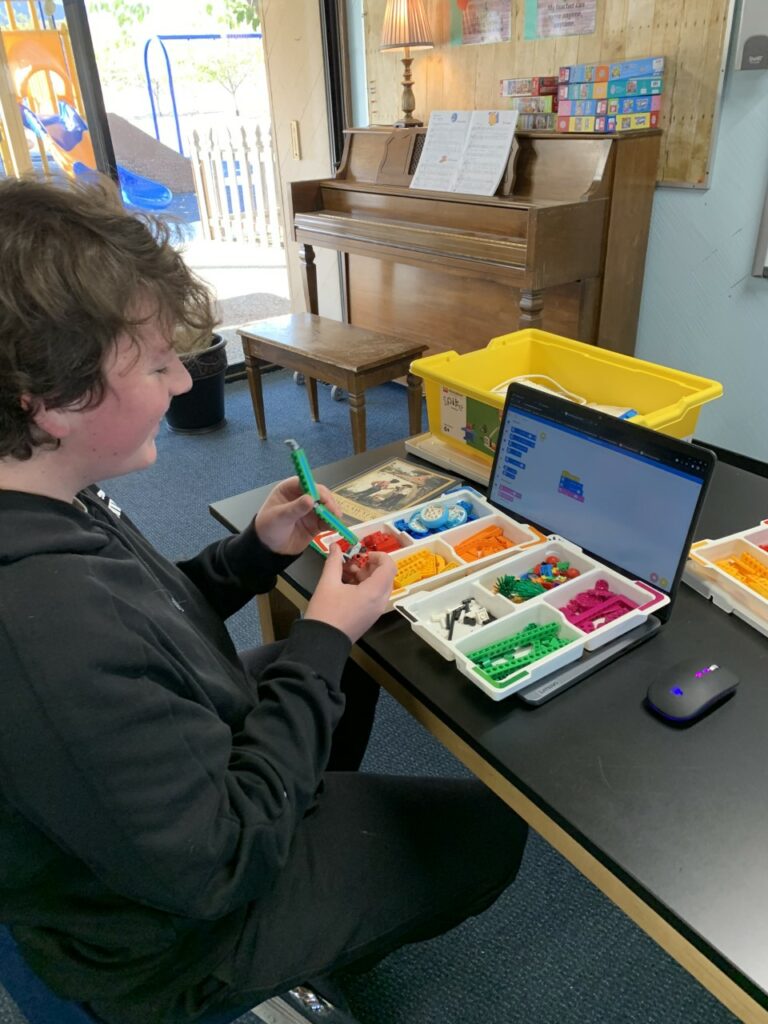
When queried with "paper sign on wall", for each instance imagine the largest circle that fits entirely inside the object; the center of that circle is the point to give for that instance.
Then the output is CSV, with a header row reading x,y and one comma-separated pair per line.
x,y
547,18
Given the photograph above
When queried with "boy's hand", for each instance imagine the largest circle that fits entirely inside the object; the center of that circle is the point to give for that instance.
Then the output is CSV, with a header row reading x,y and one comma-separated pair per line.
x,y
352,608
286,522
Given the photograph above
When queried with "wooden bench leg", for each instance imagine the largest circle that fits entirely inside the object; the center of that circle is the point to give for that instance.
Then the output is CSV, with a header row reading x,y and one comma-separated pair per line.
x,y
357,419
253,371
414,403
314,409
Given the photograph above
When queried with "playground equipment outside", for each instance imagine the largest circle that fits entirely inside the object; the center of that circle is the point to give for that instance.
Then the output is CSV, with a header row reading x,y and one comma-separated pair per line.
x,y
45,83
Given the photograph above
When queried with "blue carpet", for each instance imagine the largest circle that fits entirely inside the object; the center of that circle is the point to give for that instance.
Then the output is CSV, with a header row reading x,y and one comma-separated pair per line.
x,y
552,950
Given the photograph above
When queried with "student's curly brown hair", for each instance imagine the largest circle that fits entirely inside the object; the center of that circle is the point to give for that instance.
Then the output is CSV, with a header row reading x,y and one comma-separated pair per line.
x,y
74,268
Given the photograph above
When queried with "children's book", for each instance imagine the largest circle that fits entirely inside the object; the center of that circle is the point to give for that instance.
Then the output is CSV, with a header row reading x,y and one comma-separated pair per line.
x,y
389,487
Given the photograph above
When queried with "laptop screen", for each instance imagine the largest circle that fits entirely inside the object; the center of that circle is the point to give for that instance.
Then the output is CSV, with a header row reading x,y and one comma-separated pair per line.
x,y
627,495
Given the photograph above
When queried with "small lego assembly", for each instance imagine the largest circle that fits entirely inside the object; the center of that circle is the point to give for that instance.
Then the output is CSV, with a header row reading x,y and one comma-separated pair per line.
x,y
376,541
356,549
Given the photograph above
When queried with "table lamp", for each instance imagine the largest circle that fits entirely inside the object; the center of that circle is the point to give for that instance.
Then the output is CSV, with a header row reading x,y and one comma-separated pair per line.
x,y
406,28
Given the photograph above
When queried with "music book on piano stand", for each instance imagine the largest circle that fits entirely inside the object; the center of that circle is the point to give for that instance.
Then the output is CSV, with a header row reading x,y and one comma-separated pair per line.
x,y
465,151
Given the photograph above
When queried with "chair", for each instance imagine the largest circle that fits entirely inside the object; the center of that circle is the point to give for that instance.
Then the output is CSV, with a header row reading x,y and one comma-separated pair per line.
x,y
41,1006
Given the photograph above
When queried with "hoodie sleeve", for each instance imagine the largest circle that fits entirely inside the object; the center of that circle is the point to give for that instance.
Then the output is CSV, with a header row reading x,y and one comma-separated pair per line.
x,y
227,572
230,571
112,748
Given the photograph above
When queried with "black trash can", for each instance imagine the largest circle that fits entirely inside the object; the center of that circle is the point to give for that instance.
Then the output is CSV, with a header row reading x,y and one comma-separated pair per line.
x,y
202,407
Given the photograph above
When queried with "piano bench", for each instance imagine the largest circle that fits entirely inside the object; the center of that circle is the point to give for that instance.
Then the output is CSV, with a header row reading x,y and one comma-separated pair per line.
x,y
352,358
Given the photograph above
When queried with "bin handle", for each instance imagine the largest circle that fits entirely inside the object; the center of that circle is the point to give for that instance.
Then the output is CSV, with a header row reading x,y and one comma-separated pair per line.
x,y
695,556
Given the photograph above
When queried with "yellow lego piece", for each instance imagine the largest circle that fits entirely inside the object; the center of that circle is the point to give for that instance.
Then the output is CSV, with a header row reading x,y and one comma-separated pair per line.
x,y
747,570
420,566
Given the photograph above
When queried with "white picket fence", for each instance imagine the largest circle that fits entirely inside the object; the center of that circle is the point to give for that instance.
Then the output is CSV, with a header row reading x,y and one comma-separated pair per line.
x,y
235,183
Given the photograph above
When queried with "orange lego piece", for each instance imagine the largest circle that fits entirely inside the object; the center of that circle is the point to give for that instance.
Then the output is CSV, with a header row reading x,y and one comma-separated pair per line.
x,y
484,542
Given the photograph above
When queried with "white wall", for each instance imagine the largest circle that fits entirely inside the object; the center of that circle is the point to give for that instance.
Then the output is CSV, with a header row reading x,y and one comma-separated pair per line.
x,y
293,54
702,311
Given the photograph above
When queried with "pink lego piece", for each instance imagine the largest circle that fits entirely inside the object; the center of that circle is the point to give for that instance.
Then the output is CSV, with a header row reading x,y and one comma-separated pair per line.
x,y
594,608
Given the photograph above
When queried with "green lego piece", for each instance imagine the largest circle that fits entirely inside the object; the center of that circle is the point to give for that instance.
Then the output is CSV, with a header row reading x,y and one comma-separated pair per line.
x,y
301,465
512,587
507,681
308,485
335,523
497,662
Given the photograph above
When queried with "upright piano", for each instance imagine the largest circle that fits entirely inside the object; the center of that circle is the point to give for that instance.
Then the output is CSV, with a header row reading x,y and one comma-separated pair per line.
x,y
561,246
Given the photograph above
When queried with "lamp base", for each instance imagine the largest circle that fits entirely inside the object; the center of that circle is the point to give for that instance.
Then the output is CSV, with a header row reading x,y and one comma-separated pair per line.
x,y
409,122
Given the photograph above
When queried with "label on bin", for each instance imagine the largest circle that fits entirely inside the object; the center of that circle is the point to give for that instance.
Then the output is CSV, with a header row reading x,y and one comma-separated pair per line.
x,y
468,421
453,414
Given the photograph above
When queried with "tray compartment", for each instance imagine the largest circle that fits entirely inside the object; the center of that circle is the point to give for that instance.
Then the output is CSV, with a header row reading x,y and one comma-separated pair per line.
x,y
426,612
525,562
418,555
603,604
516,535
529,645
729,593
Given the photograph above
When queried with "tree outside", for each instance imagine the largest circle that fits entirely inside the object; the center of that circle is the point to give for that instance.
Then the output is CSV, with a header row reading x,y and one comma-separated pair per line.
x,y
213,79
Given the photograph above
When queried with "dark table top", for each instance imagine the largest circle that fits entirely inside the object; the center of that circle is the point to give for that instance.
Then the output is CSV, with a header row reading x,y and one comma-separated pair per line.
x,y
679,814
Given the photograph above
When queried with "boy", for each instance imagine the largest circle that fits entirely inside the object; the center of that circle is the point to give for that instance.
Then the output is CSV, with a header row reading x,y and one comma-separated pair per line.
x,y
181,828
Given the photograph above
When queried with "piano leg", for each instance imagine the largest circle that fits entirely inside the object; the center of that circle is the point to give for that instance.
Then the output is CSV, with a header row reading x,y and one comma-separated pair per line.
x,y
309,277
589,312
531,308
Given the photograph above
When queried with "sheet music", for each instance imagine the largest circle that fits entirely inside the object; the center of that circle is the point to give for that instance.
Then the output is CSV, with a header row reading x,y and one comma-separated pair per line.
x,y
443,149
465,151
486,151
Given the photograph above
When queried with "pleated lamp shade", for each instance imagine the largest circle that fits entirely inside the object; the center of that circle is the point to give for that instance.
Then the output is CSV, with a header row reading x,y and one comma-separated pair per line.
x,y
405,24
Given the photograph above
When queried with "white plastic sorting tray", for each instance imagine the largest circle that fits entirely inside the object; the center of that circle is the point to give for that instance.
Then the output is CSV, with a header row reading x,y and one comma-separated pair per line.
x,y
426,612
521,535
704,575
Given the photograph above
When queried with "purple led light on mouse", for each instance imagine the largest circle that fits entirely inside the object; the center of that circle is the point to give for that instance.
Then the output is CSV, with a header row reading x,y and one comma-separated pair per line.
x,y
705,671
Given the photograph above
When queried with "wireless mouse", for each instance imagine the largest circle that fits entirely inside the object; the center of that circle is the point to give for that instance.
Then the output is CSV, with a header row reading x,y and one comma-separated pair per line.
x,y
688,689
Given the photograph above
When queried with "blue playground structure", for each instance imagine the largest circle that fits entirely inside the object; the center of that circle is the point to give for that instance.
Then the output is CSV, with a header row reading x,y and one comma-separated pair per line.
x,y
65,132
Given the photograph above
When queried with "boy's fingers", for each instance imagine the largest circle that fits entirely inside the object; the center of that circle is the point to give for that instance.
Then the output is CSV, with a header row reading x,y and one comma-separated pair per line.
x,y
301,506
334,555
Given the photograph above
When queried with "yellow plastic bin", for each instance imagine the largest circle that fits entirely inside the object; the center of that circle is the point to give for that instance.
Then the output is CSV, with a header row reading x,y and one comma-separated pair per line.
x,y
464,410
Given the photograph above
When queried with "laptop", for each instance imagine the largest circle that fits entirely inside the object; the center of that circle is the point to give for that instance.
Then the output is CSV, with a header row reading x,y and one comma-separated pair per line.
x,y
628,496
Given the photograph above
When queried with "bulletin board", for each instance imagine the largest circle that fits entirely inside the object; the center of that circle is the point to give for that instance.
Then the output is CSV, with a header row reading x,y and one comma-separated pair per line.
x,y
692,35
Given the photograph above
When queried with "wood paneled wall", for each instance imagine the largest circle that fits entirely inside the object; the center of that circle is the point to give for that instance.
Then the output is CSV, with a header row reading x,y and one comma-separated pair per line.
x,y
691,34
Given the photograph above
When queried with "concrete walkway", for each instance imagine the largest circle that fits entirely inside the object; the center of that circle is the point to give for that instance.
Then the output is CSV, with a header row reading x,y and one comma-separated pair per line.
x,y
250,282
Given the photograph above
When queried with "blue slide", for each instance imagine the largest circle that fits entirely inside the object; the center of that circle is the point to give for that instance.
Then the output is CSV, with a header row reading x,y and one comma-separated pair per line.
x,y
66,131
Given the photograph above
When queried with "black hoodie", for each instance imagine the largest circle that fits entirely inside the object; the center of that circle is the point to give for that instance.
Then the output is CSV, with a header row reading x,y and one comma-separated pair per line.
x,y
148,789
